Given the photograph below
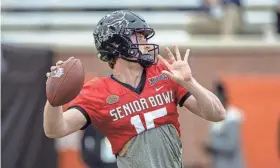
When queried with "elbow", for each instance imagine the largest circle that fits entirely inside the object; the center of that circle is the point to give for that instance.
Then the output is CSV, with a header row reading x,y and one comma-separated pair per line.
x,y
215,115
220,115
52,135
53,132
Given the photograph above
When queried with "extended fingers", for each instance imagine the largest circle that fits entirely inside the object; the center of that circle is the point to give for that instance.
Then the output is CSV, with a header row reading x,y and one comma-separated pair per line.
x,y
163,61
187,55
178,55
170,55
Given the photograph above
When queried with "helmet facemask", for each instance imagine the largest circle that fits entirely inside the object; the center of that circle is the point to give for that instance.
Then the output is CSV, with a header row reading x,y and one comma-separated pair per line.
x,y
123,47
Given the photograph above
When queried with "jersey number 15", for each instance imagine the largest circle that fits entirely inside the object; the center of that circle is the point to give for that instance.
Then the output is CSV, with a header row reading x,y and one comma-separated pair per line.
x,y
149,119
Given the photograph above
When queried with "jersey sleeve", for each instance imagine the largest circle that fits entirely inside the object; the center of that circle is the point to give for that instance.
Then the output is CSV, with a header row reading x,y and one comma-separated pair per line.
x,y
182,93
88,102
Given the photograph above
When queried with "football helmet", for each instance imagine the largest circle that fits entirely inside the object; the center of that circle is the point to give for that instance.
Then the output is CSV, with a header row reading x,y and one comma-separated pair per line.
x,y
112,38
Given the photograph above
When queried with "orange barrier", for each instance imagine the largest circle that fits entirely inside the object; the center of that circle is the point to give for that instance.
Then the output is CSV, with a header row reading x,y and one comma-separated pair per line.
x,y
70,158
259,98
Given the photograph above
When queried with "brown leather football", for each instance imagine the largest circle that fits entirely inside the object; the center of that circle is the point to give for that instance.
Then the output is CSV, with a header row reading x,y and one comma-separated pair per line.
x,y
65,83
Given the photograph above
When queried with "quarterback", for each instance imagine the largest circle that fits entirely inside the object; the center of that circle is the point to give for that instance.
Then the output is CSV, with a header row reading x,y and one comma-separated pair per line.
x,y
135,107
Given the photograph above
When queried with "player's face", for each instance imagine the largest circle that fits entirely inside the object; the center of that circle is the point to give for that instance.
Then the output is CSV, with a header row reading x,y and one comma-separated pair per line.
x,y
139,38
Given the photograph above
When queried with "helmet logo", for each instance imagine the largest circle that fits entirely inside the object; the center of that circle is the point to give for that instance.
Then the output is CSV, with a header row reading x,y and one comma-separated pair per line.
x,y
126,32
132,52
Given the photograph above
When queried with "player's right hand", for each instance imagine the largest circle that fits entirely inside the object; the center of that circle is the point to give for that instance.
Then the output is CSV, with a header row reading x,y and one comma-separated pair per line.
x,y
53,68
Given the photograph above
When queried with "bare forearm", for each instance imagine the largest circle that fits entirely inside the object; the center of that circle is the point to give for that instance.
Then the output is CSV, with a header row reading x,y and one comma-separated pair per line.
x,y
209,105
53,120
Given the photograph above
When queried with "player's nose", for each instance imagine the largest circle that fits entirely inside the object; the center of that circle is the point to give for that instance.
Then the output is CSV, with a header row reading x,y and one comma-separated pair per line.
x,y
147,48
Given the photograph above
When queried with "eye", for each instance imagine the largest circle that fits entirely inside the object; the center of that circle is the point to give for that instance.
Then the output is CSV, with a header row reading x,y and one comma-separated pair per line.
x,y
140,36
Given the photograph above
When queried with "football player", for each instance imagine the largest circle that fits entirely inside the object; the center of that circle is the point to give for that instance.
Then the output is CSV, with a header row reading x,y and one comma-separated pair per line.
x,y
135,107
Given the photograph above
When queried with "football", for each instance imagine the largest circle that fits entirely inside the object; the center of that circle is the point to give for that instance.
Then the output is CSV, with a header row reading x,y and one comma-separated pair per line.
x,y
65,82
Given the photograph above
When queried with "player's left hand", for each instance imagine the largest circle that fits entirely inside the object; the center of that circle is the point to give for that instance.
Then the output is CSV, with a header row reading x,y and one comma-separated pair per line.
x,y
179,69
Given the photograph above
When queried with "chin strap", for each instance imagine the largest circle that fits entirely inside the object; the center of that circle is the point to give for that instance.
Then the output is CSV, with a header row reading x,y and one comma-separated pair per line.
x,y
145,60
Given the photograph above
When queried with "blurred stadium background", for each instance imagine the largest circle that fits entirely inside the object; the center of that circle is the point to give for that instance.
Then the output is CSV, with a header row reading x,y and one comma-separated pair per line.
x,y
238,45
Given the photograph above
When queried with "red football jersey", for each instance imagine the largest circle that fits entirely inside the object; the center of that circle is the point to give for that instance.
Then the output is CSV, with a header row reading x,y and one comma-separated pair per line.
x,y
121,112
